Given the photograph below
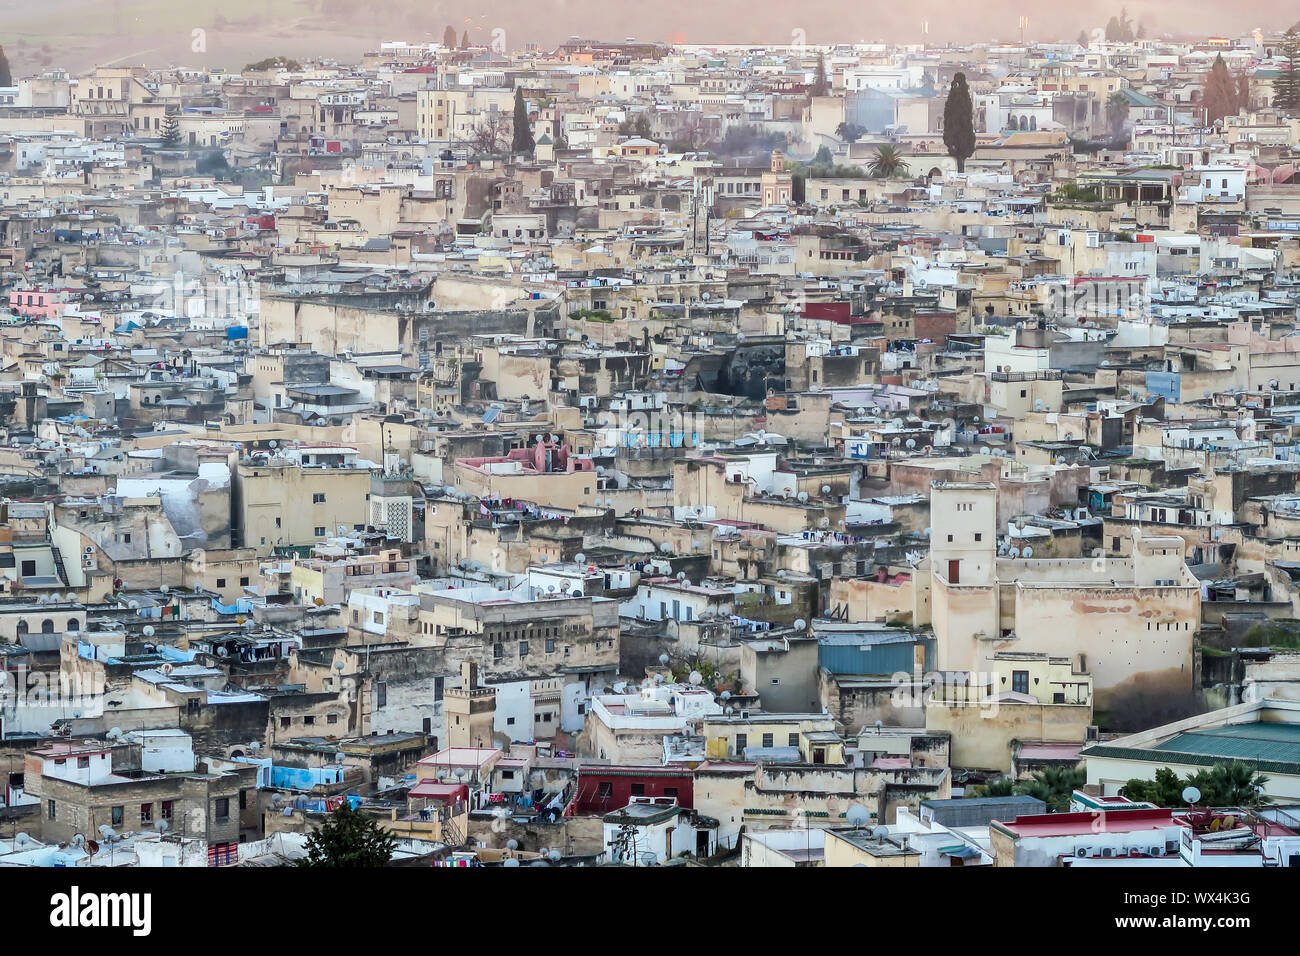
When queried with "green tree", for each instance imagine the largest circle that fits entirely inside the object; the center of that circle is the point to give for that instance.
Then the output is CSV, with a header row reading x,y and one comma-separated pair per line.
x,y
1236,784
823,157
349,838
994,787
6,75
1220,96
850,132
273,63
522,141
449,37
171,130
464,40
820,85
1116,112
958,122
1082,39
638,125
1286,88
1231,783
1243,91
888,163
1054,785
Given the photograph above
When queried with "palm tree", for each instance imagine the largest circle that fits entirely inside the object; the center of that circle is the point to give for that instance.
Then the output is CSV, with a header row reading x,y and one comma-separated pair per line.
x,y
1054,785
888,163
994,787
1236,784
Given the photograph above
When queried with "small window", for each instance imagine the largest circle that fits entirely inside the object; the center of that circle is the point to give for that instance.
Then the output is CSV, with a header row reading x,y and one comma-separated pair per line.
x,y
118,815
318,499
638,789
768,741
146,813
221,810
605,791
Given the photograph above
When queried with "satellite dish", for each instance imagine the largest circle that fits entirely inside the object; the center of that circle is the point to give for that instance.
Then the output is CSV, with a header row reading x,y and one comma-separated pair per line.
x,y
826,489
665,548
696,678
1013,553
858,815
664,659
800,624
881,833
511,862
1028,552
580,558
147,630
512,844
1191,795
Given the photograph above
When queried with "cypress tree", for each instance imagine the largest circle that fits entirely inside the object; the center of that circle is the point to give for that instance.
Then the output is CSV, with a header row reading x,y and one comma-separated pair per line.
x,y
522,142
958,122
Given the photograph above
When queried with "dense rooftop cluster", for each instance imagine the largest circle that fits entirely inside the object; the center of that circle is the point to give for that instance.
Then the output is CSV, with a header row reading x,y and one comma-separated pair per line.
x,y
634,454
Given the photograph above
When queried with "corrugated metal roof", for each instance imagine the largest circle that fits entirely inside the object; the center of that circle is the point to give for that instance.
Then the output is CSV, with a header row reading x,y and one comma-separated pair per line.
x,y
1257,741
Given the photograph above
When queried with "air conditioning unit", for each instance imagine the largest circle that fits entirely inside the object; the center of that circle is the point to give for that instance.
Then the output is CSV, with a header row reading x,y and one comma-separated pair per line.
x,y
1107,851
1083,851
1156,851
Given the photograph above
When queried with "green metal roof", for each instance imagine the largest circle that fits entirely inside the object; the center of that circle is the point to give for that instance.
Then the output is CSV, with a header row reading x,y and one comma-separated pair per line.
x,y
1255,741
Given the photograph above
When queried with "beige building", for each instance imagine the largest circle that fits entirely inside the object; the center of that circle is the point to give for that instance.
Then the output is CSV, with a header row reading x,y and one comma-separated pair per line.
x,y
1129,622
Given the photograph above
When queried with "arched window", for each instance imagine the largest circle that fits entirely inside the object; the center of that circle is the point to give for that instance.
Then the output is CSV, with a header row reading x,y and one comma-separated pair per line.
x,y
74,624
22,627
47,626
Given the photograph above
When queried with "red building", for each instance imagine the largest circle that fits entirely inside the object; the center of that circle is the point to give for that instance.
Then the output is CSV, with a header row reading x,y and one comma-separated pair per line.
x,y
603,789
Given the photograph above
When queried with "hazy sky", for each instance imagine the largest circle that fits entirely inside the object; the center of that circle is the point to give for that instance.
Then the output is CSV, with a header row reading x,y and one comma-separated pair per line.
x,y
78,33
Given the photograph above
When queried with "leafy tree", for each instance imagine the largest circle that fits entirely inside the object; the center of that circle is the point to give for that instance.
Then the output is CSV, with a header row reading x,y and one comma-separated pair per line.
x,y
214,163
522,141
1243,91
638,125
349,838
1116,112
1231,783
449,37
958,122
823,157
820,85
6,75
273,63
1165,790
1220,97
1054,785
1286,88
994,787
745,138
850,132
888,163
1120,29
171,130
